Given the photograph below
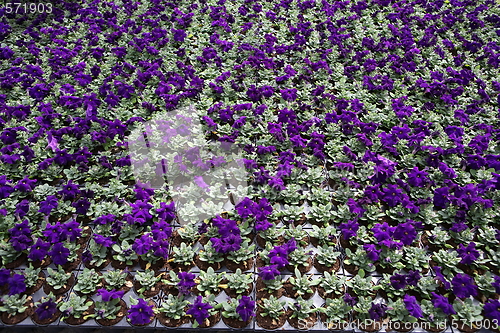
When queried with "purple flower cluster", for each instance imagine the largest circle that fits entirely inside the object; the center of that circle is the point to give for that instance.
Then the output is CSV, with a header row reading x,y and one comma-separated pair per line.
x,y
230,238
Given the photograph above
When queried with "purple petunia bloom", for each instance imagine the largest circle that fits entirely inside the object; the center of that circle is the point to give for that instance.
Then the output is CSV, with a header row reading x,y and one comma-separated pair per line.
x,y
161,230
372,252
59,254
289,94
442,302
16,284
382,231
377,311
199,310
46,309
103,241
412,306
279,256
39,250
245,208
143,244
468,253
350,300
412,278
406,233
349,229
47,205
20,229
4,276
246,308
269,272
417,178
25,185
71,230
441,197
463,286
140,313
186,282
22,208
492,309
398,281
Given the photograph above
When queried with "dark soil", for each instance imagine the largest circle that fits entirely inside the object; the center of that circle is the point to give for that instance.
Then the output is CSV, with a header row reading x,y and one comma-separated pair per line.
x,y
41,263
169,322
157,266
17,262
269,323
173,266
322,293
210,321
122,265
16,319
262,243
49,289
335,326
203,265
101,266
236,323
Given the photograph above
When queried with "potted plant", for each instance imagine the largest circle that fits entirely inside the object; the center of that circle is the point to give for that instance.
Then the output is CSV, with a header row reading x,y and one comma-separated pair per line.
x,y
46,310
327,259
269,283
299,258
96,256
209,257
182,258
204,312
393,287
238,284
416,259
241,258
467,315
181,282
147,284
368,315
335,314
210,282
272,235
76,310
141,313
117,279
435,319
88,281
331,285
323,236
58,282
361,286
172,312
238,313
297,233
271,313
357,261
300,285
33,278
400,318
448,260
302,314
111,309
188,234
124,256
15,308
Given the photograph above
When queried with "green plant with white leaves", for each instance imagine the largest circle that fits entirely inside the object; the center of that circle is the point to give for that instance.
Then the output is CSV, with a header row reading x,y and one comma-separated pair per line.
x,y
124,253
209,281
31,275
209,254
183,254
467,311
75,306
244,253
302,284
333,284
359,259
448,261
88,281
173,307
299,257
116,279
14,304
57,279
147,280
337,312
238,282
272,307
324,235
327,256
361,286
302,309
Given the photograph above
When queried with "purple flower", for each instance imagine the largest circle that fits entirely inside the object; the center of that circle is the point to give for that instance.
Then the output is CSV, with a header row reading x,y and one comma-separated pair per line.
x,y
463,286
46,309
4,276
69,191
412,278
468,253
47,205
22,208
372,252
289,94
349,229
20,229
199,310
279,256
186,282
398,281
87,256
412,306
81,206
377,311
39,250
269,272
246,308
103,241
406,233
441,198
25,185
492,309
16,284
161,230
442,302
161,248
382,231
245,208
143,244
106,296
440,277
59,254
71,229
350,300
392,195
140,313
417,178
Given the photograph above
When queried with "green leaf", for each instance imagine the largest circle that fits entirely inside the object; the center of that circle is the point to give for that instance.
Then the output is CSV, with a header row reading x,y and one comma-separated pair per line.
x,y
361,272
